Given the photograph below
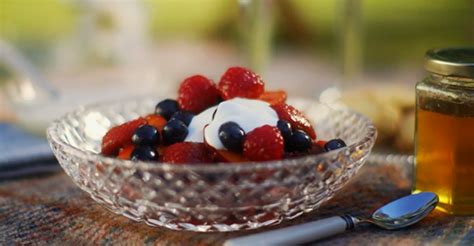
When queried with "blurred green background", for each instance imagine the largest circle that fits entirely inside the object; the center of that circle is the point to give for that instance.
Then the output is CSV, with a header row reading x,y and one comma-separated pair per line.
x,y
393,32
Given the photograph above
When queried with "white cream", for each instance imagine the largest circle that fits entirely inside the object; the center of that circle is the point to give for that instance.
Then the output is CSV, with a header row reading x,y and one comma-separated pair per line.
x,y
247,113
195,128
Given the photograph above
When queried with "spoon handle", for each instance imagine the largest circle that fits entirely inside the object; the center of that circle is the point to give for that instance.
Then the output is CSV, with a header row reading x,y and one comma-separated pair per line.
x,y
298,234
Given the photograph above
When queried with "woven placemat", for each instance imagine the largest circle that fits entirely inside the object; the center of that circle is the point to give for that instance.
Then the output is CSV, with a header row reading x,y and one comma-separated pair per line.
x,y
51,210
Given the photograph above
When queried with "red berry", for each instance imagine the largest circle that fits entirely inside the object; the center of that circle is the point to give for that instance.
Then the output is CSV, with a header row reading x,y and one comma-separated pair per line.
x,y
240,82
316,149
126,152
156,121
118,136
187,152
273,97
295,117
197,93
320,143
264,143
223,155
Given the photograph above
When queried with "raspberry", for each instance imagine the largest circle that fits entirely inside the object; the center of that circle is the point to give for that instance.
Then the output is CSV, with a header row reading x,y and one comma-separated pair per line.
x,y
295,117
118,136
187,152
240,82
264,143
197,93
274,97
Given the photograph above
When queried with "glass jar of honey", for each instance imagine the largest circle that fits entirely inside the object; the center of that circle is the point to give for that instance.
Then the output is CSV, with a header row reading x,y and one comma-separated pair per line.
x,y
444,136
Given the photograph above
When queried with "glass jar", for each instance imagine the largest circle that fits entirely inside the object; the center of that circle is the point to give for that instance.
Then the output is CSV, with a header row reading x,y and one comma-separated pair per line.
x,y
444,136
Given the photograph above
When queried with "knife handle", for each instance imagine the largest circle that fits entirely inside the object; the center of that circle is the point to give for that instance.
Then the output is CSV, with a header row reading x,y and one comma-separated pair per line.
x,y
297,234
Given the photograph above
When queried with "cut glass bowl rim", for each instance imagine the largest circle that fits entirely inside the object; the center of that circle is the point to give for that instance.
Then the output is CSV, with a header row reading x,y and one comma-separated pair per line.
x,y
53,135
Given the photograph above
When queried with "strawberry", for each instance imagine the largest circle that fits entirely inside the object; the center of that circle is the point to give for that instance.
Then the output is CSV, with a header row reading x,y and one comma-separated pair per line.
x,y
316,149
126,152
295,117
240,82
197,93
320,143
187,152
160,150
274,97
229,156
156,121
264,143
118,136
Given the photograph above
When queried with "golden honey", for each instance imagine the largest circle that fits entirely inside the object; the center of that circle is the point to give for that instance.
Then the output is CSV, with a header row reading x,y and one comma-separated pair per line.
x,y
445,159
444,137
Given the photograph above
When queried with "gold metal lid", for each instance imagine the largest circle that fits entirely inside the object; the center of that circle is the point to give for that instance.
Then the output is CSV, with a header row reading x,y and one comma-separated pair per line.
x,y
458,62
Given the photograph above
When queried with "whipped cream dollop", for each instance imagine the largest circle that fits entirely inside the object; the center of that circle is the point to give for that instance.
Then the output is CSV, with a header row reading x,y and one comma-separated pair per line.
x,y
195,128
247,113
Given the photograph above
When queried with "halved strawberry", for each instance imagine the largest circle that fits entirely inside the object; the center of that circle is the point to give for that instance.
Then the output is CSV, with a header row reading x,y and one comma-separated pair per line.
x,y
187,153
118,136
316,149
229,156
160,150
320,143
274,97
156,121
126,152
295,117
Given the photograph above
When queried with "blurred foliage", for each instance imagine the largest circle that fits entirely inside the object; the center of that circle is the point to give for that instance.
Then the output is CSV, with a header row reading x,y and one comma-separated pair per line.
x,y
203,18
402,30
36,19
393,32
35,25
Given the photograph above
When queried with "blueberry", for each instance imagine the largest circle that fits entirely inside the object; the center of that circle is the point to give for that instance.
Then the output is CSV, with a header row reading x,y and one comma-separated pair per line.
x,y
146,135
183,116
167,108
285,129
334,144
174,131
231,136
299,141
144,153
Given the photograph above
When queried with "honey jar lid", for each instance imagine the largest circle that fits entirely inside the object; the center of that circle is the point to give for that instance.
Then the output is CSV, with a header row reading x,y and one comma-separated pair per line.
x,y
458,62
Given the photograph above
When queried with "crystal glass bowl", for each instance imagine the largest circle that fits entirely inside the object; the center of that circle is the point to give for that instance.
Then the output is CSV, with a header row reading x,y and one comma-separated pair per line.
x,y
208,197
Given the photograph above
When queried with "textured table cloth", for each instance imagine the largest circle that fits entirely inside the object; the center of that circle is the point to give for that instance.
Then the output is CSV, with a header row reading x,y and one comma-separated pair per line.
x,y
52,210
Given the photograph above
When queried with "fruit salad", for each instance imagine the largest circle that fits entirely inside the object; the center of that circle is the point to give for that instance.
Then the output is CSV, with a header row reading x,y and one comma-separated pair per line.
x,y
235,120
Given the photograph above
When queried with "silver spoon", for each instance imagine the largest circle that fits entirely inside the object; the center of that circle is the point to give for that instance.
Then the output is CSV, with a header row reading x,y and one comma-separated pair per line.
x,y
398,214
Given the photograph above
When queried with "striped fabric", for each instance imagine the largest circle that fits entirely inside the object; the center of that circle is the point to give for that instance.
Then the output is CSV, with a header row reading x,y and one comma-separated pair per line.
x,y
51,210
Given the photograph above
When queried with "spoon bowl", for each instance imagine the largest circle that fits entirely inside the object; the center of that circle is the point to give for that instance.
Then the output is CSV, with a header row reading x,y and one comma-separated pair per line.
x,y
405,211
397,214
